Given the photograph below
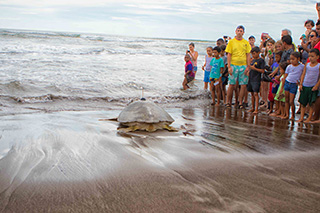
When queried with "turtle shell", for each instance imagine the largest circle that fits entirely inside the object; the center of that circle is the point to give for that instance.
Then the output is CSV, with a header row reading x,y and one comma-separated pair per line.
x,y
144,112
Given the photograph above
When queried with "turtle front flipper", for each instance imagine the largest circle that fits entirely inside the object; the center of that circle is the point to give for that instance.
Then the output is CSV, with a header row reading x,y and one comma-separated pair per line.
x,y
170,128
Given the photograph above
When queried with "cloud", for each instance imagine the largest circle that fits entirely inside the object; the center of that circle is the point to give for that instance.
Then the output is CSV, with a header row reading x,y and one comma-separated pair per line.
x,y
202,19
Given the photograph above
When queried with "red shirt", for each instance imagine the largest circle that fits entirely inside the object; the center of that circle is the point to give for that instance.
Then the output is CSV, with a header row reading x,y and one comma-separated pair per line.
x,y
316,47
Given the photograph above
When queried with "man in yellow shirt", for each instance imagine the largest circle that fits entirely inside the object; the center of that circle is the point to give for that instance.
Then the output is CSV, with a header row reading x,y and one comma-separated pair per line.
x,y
238,50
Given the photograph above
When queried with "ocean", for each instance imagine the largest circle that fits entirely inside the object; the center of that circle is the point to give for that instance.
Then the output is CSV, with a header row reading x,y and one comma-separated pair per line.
x,y
69,71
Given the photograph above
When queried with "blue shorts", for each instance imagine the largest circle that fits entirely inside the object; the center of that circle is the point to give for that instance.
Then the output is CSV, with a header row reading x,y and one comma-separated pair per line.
x,y
238,75
195,68
291,87
206,76
275,88
224,80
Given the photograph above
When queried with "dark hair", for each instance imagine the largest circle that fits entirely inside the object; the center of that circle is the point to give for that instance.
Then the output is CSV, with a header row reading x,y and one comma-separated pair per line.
x,y
296,54
287,39
192,44
279,53
314,31
309,22
210,47
240,27
255,49
217,48
283,65
316,51
223,47
221,40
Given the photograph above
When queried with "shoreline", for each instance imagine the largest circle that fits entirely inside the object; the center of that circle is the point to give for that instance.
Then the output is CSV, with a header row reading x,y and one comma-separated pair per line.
x,y
70,161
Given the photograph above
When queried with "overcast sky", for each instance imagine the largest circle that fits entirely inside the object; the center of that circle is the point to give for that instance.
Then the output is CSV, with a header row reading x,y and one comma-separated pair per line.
x,y
188,19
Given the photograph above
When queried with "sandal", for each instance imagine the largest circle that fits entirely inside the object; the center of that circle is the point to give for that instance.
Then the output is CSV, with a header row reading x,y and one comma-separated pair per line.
x,y
241,106
228,105
261,102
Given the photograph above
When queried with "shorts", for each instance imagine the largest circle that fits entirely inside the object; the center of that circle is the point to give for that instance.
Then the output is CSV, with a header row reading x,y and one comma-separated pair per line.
x,y
290,87
275,88
189,78
215,81
206,76
238,75
195,68
319,94
307,96
224,80
254,86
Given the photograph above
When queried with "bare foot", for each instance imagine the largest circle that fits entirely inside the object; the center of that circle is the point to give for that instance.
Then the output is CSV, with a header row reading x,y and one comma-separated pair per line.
x,y
308,121
274,114
217,104
250,110
315,122
292,118
284,117
300,120
256,112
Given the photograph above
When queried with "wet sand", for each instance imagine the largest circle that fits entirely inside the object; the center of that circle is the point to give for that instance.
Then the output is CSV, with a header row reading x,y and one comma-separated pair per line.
x,y
219,161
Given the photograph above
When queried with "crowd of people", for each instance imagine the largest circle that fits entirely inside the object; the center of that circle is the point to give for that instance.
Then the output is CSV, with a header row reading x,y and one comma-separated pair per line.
x,y
272,72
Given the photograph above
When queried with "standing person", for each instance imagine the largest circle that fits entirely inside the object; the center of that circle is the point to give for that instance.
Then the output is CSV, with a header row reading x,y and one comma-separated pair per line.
x,y
194,57
288,48
280,95
220,42
278,46
224,76
188,72
309,84
256,68
252,40
207,68
292,77
274,86
217,65
238,50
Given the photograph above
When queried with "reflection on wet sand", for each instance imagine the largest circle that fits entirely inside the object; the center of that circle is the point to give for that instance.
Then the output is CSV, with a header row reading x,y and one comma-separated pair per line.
x,y
230,162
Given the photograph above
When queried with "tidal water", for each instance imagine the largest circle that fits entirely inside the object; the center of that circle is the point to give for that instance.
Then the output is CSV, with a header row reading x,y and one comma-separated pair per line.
x,y
60,153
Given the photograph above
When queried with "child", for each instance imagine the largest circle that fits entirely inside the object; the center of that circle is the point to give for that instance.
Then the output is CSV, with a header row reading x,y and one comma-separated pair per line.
x,y
252,40
224,77
194,57
256,68
215,74
309,24
274,86
207,68
292,77
308,88
189,74
280,96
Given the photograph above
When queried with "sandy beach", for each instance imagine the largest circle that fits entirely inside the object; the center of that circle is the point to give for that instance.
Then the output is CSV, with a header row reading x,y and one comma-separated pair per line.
x,y
219,161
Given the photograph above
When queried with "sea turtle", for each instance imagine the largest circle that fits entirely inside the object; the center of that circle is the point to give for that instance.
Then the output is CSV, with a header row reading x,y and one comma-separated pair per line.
x,y
144,115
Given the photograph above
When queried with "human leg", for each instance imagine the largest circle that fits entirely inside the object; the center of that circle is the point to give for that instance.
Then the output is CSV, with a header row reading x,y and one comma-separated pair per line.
x,y
293,107
287,105
256,98
253,102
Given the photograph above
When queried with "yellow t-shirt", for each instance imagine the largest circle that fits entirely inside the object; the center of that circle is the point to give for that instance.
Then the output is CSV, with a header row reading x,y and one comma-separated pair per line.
x,y
239,50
